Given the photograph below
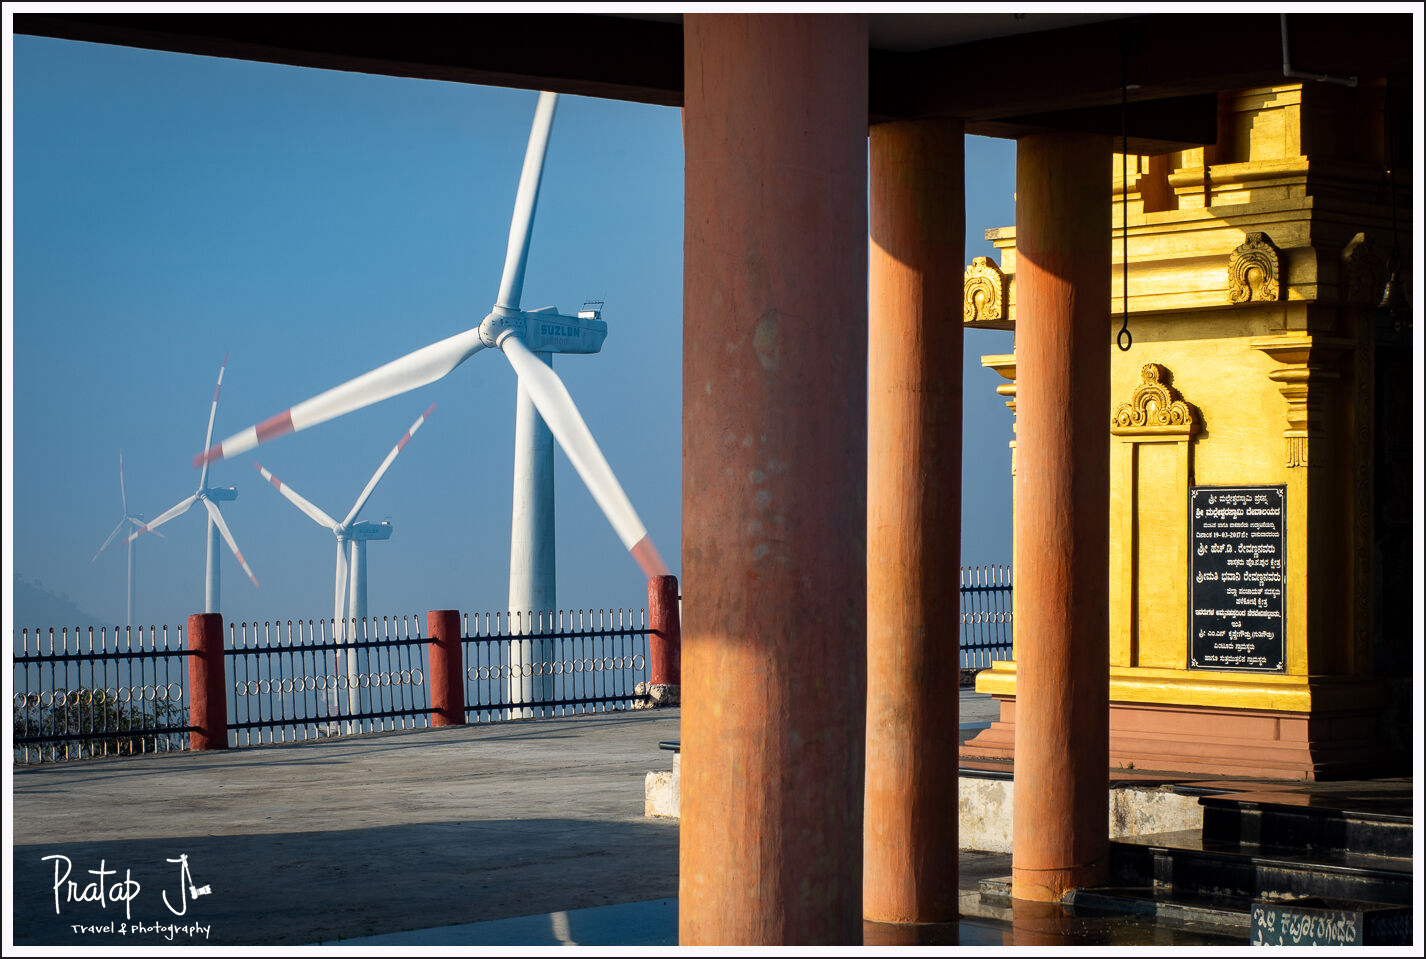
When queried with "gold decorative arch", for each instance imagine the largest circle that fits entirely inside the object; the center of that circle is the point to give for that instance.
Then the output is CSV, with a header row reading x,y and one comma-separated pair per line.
x,y
1364,271
984,291
1155,405
1253,271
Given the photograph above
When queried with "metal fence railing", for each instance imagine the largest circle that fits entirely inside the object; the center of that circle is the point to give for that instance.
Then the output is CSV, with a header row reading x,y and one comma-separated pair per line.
x,y
290,682
987,627
80,693
112,692
562,663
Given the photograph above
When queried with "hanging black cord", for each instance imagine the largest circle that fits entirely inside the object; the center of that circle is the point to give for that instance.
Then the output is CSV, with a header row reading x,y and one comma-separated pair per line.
x,y
1392,295
1125,338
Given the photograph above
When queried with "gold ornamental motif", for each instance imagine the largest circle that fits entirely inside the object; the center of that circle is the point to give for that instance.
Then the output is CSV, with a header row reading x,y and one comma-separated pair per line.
x,y
984,291
1253,271
1364,269
1155,404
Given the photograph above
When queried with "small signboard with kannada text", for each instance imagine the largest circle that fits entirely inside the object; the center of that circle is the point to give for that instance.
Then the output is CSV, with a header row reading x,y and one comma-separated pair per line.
x,y
1237,578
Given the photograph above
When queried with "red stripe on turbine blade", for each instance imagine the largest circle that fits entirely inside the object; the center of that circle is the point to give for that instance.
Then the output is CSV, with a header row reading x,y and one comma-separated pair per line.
x,y
209,455
279,425
244,564
646,554
414,426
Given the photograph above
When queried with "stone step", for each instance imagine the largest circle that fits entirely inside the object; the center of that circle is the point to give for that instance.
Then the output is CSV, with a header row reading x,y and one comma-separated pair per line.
x,y
1163,905
1187,864
1267,821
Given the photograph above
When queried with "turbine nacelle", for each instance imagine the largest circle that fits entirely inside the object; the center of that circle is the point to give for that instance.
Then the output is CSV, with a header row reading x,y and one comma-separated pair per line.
x,y
363,531
545,330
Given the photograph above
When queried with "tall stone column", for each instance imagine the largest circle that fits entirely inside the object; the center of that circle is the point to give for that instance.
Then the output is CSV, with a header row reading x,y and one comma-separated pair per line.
x,y
774,479
1062,342
913,522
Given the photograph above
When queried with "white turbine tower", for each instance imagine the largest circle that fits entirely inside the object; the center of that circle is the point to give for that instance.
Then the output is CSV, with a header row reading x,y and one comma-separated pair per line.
x,y
352,538
523,336
130,519
210,497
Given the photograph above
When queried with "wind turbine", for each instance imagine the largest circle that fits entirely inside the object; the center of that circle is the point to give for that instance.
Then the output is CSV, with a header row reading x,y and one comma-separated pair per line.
x,y
523,336
210,497
130,519
352,538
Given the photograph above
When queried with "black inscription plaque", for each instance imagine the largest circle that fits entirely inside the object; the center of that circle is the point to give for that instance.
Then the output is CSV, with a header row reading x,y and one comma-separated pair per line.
x,y
1236,578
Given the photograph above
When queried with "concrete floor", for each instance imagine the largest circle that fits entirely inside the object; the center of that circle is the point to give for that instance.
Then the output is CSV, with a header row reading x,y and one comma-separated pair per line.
x,y
339,838
518,833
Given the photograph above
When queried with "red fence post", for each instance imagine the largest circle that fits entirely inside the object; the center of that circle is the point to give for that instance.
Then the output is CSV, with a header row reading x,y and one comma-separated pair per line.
x,y
207,684
665,633
447,674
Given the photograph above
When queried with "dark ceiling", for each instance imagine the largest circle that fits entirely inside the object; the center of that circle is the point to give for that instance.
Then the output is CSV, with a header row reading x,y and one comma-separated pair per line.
x,y
1003,74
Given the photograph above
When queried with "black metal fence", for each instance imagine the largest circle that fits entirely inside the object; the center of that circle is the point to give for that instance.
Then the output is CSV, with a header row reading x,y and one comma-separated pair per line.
x,y
84,693
290,682
81,693
987,627
554,665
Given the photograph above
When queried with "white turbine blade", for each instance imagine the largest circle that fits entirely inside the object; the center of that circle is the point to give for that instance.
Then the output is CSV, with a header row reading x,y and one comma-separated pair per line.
x,y
140,524
315,513
177,510
217,515
111,537
547,391
339,609
512,281
411,371
123,497
381,470
212,412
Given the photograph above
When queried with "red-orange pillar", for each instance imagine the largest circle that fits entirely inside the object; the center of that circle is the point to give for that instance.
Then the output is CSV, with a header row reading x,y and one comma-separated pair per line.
x,y
774,479
447,667
914,521
1062,341
665,632
207,685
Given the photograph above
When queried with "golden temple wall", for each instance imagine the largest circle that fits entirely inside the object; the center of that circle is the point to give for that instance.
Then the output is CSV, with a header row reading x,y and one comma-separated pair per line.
x,y
1255,266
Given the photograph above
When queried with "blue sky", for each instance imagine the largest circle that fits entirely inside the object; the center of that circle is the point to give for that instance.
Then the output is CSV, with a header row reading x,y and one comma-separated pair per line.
x,y
312,225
